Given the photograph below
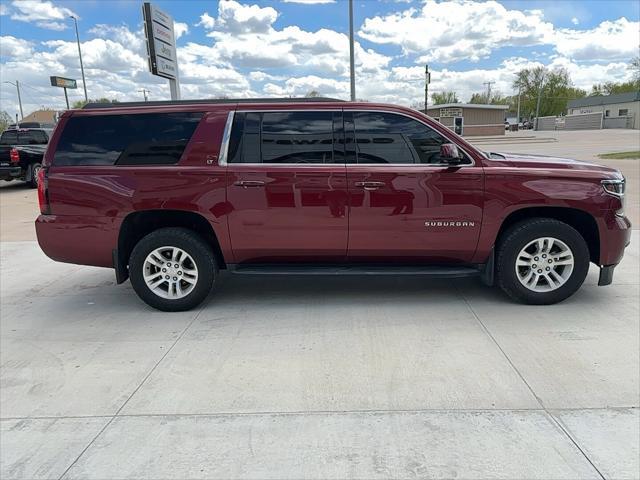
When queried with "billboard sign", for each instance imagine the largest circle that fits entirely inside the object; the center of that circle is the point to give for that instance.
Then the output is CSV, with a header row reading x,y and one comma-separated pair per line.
x,y
63,82
160,38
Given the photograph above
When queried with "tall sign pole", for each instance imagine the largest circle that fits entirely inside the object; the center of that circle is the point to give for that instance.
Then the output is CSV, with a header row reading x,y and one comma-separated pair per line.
x,y
64,83
351,53
161,46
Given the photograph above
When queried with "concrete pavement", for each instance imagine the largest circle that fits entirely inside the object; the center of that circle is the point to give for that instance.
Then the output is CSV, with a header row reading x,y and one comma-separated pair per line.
x,y
315,378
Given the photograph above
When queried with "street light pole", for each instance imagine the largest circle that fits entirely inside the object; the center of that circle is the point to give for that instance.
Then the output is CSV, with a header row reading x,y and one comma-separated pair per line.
x,y
351,54
17,85
84,82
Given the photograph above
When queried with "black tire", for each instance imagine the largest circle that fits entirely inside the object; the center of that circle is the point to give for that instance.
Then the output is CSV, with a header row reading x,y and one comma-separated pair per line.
x,y
517,237
32,175
191,243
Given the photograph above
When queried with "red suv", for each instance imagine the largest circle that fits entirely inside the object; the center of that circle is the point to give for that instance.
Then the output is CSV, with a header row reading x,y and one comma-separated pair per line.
x,y
169,193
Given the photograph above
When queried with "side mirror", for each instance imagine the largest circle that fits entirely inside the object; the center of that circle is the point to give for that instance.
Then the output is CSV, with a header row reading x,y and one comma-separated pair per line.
x,y
449,153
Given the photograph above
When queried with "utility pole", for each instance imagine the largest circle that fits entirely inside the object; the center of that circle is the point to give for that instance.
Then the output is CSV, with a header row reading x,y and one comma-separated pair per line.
x,y
538,102
144,92
351,54
488,84
17,85
519,91
84,82
427,81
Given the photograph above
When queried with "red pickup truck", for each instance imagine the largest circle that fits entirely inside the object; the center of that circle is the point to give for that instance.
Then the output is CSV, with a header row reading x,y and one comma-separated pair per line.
x,y
170,193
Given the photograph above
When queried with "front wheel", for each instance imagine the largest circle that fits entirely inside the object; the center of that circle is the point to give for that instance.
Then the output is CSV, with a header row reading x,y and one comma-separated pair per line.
x,y
172,269
542,261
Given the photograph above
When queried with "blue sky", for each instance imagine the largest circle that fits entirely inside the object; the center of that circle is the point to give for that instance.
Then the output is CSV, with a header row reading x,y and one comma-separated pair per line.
x,y
273,48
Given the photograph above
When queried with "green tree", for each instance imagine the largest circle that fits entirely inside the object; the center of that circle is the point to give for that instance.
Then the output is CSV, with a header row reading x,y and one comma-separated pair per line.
x,y
82,103
312,94
553,86
5,121
444,97
634,66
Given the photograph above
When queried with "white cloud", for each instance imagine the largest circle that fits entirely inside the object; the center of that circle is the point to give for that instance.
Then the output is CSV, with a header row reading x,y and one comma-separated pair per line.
x,y
15,47
206,21
180,29
466,30
237,18
617,39
452,31
43,13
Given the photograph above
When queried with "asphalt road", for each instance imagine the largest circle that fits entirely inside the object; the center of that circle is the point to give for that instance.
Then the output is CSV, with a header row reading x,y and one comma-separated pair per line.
x,y
311,377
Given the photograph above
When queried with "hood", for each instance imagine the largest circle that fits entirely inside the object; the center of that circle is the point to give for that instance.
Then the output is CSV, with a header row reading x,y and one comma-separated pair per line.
x,y
546,162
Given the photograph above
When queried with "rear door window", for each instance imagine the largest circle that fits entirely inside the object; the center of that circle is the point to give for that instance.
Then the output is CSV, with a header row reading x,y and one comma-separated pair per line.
x,y
137,139
284,138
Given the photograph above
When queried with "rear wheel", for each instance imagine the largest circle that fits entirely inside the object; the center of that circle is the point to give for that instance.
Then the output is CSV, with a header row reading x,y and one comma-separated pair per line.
x,y
32,174
542,261
172,269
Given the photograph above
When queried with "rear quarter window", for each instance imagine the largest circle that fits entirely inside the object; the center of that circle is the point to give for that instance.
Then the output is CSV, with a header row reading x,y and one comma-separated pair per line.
x,y
9,138
134,139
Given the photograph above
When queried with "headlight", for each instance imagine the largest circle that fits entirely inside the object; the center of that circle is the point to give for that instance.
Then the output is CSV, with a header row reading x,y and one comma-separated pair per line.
x,y
614,187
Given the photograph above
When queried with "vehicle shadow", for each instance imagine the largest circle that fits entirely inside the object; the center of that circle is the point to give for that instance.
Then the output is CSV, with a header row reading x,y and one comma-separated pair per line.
x,y
14,185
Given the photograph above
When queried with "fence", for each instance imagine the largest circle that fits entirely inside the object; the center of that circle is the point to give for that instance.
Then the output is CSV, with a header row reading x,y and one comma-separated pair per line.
x,y
580,121
618,122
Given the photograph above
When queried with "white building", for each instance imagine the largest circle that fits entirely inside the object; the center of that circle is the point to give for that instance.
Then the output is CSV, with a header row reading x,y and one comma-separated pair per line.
x,y
621,110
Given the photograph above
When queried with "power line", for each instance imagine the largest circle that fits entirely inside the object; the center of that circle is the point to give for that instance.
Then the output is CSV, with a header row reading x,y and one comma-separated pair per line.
x,y
488,84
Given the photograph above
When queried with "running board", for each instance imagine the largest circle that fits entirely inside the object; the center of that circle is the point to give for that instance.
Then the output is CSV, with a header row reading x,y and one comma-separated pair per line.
x,y
289,269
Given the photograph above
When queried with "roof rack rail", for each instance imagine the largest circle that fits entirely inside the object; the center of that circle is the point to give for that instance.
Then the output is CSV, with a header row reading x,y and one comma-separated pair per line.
x,y
213,100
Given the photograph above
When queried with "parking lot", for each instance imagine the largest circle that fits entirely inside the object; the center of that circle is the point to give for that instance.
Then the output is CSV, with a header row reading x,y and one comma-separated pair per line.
x,y
327,377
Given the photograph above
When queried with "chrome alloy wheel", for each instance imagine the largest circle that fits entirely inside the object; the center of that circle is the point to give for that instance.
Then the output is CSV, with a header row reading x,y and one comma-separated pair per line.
x,y
544,264
170,273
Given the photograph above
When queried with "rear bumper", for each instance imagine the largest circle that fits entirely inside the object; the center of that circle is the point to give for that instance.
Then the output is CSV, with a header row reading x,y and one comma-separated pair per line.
x,y
10,173
84,240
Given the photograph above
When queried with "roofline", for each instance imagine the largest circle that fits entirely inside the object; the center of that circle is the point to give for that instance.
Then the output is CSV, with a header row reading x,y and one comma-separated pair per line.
x,y
595,100
469,105
213,101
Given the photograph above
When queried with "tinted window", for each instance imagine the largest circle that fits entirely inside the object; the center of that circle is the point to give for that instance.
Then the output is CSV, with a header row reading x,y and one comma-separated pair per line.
x,y
282,137
392,138
297,137
140,139
10,137
32,137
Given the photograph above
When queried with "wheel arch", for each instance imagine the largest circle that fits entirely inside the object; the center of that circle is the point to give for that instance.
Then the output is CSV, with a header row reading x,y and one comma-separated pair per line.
x,y
140,223
582,221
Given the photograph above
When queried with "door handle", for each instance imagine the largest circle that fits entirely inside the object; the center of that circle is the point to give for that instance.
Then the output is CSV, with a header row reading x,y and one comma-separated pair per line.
x,y
370,185
249,183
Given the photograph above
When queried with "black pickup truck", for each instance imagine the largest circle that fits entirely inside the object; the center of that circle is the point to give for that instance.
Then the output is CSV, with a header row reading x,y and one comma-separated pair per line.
x,y
21,152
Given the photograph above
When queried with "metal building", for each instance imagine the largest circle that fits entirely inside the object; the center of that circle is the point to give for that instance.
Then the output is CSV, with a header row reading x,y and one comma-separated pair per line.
x,y
470,119
621,110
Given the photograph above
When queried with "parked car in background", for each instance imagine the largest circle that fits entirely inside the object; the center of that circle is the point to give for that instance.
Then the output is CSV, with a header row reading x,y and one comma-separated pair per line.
x,y
21,153
169,193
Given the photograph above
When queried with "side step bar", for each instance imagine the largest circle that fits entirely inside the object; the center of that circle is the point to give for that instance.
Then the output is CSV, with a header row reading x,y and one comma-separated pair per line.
x,y
296,269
